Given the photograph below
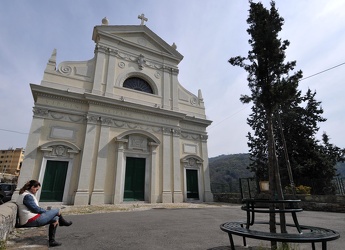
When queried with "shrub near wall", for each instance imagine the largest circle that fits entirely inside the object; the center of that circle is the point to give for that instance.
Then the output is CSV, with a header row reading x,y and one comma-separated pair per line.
x,y
8,214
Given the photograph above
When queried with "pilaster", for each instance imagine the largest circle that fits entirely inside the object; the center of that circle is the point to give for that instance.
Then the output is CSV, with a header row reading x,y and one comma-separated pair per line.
x,y
82,195
166,168
208,196
174,89
110,74
97,196
153,193
120,172
166,89
29,163
178,196
99,70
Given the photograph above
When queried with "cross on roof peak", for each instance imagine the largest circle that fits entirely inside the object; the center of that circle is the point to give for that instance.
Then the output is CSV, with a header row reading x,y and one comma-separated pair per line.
x,y
143,19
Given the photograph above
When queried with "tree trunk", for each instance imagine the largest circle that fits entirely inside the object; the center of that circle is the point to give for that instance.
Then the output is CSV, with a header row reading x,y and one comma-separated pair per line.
x,y
276,190
271,174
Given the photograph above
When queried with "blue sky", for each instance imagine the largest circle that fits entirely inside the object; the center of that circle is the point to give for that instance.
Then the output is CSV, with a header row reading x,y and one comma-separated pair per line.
x,y
207,33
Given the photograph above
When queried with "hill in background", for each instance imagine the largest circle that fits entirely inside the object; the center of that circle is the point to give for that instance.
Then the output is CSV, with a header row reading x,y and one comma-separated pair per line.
x,y
225,168
225,171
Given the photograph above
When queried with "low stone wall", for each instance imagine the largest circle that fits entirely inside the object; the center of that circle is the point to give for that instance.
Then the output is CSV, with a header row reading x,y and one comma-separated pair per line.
x,y
329,203
8,214
227,197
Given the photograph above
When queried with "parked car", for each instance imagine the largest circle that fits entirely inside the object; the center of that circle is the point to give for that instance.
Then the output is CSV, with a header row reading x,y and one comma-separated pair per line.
x,y
6,191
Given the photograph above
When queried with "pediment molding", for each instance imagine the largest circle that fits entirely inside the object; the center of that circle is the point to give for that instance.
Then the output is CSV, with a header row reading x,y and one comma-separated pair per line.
x,y
137,36
59,149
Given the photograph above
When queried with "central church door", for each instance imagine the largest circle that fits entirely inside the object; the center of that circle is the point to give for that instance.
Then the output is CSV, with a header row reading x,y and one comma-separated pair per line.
x,y
135,179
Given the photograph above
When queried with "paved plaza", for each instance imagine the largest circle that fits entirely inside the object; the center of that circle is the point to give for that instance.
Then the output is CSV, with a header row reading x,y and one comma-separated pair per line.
x,y
158,226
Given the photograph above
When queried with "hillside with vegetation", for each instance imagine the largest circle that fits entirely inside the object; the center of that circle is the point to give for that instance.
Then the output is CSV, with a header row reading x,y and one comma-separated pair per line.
x,y
225,171
225,168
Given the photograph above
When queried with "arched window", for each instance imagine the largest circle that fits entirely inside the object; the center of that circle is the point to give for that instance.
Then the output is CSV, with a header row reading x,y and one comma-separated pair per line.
x,y
137,84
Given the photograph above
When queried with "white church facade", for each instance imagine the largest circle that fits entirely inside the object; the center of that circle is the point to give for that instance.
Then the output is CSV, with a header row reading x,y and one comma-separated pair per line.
x,y
119,127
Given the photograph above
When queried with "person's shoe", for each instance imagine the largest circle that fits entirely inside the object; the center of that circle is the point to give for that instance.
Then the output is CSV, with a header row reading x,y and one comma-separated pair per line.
x,y
63,222
53,243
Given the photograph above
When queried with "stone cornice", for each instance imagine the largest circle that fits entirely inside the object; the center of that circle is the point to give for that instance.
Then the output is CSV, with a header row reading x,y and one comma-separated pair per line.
x,y
92,118
58,94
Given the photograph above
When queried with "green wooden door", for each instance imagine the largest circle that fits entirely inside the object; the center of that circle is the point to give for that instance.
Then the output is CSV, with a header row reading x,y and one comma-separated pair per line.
x,y
54,181
192,184
135,179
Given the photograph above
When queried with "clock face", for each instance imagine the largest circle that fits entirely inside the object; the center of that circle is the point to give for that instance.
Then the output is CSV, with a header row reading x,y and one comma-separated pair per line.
x,y
138,84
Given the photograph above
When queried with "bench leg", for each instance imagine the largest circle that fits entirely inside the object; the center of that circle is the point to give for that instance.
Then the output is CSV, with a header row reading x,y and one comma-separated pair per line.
x,y
294,217
313,245
244,241
232,245
324,245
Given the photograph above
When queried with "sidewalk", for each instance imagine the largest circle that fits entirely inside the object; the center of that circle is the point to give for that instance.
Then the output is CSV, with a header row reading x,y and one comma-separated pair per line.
x,y
131,226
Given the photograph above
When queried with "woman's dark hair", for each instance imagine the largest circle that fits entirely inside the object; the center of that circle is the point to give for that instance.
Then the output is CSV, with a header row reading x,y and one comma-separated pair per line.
x,y
29,185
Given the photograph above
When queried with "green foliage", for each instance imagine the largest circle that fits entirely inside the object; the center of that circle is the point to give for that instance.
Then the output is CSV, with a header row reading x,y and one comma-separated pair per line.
x,y
225,169
271,83
309,158
299,189
2,245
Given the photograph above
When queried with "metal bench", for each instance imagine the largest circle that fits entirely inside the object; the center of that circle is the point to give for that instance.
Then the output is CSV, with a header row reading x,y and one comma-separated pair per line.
x,y
253,206
309,234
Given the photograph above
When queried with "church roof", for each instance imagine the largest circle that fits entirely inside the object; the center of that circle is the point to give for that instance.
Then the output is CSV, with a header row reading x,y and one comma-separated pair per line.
x,y
139,36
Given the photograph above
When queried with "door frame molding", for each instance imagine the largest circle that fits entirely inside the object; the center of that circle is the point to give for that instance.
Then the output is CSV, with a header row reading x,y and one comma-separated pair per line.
x,y
58,151
147,151
192,162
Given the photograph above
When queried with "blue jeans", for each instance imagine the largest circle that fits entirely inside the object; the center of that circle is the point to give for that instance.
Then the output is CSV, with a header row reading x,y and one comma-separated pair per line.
x,y
46,218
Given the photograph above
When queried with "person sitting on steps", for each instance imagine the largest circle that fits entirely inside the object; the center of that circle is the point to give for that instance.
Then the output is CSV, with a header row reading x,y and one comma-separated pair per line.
x,y
32,215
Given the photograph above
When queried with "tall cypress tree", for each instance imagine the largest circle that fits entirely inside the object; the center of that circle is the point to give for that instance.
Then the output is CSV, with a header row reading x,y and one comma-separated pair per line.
x,y
269,80
279,110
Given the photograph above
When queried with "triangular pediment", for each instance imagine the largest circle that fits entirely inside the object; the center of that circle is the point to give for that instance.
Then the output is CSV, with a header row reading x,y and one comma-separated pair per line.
x,y
136,36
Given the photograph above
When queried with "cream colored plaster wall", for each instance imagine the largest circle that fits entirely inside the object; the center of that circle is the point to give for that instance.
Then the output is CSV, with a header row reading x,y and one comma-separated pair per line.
x,y
137,97
54,80
193,111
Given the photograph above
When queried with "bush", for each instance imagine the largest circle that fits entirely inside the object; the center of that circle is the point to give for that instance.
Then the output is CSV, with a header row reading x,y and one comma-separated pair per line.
x,y
299,189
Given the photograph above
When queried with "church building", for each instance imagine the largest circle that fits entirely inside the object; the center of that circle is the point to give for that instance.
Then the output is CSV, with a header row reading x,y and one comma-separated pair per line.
x,y
119,127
